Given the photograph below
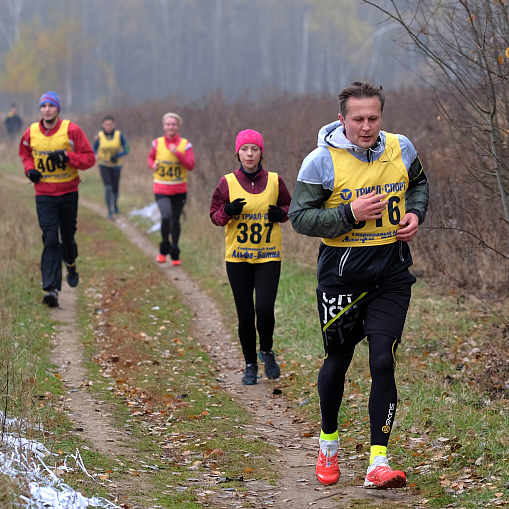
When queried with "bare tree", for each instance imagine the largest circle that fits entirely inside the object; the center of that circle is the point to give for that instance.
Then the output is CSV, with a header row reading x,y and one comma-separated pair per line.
x,y
10,28
467,46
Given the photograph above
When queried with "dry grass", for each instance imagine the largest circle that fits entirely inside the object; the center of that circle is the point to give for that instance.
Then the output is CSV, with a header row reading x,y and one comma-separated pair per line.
x,y
289,126
18,234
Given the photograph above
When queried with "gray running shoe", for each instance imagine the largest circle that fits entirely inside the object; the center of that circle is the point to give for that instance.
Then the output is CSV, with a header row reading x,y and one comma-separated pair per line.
x,y
271,366
250,374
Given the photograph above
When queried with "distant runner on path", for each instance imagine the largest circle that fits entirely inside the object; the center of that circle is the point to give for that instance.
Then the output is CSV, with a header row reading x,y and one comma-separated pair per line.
x,y
110,146
53,150
170,158
13,123
365,193
250,203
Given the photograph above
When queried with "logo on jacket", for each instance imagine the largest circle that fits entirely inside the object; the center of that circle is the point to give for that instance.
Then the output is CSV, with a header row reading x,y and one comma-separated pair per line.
x,y
346,194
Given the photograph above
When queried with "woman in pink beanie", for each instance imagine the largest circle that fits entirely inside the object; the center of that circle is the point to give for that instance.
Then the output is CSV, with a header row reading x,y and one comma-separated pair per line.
x,y
250,203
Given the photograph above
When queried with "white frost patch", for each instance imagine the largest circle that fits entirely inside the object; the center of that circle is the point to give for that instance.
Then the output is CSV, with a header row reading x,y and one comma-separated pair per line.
x,y
23,460
150,212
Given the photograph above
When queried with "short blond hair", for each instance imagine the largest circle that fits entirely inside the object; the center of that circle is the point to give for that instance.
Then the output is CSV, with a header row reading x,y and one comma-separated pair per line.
x,y
173,115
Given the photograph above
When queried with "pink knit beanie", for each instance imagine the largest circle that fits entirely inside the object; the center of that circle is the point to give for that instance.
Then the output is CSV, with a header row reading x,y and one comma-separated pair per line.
x,y
248,136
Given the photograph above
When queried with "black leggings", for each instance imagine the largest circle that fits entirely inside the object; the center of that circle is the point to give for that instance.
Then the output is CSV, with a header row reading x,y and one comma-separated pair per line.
x,y
263,279
170,207
111,177
383,396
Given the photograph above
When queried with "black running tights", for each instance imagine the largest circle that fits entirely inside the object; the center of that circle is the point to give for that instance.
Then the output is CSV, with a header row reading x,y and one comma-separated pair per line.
x,y
383,396
262,279
171,207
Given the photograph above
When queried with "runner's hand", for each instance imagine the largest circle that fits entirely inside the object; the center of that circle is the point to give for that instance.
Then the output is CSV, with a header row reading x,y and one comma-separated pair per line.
x,y
235,207
34,175
275,214
409,226
369,206
58,157
114,159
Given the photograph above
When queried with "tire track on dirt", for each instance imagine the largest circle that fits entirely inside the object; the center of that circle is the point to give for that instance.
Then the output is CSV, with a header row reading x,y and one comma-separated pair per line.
x,y
88,413
297,486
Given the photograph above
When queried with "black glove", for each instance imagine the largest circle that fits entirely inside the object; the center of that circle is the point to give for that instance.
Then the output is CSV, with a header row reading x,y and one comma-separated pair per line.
x,y
58,158
235,207
34,175
114,159
275,214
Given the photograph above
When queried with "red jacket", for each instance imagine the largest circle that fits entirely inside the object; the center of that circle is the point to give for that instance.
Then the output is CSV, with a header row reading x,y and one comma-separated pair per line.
x,y
186,159
221,195
82,157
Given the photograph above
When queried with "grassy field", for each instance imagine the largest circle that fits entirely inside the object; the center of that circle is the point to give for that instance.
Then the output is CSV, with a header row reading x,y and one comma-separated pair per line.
x,y
451,429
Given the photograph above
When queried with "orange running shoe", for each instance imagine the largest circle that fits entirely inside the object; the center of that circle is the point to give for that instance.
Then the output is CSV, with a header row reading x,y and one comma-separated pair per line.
x,y
327,469
175,262
381,476
161,258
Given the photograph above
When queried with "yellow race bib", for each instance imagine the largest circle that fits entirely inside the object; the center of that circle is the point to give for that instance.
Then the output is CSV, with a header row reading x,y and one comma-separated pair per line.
x,y
109,147
169,169
43,145
250,236
353,178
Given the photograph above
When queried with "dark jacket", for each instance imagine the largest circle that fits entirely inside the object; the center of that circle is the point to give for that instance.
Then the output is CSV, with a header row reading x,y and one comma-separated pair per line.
x,y
359,268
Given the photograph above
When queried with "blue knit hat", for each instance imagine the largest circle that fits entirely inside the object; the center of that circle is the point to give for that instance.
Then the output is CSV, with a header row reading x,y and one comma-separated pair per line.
x,y
52,98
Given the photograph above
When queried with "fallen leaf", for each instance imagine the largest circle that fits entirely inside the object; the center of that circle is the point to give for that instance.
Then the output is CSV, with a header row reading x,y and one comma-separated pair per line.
x,y
217,452
58,375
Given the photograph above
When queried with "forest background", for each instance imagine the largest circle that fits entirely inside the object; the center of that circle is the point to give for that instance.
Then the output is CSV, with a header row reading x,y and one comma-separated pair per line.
x,y
226,65
99,53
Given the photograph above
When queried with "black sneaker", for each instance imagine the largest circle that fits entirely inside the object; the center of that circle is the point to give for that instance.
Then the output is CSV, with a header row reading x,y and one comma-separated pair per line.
x,y
51,299
271,366
73,278
250,374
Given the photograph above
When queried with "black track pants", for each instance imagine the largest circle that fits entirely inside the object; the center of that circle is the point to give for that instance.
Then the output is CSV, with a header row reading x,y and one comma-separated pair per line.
x,y
383,396
57,219
262,279
110,177
111,180
171,208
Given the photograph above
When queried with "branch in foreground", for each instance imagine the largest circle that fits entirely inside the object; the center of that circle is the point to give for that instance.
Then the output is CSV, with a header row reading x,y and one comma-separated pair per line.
x,y
481,241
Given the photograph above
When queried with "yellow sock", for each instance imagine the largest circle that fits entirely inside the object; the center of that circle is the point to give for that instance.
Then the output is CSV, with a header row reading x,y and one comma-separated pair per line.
x,y
330,436
377,450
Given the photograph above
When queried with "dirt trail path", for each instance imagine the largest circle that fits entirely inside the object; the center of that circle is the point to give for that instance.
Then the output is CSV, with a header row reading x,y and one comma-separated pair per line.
x,y
297,486
88,414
